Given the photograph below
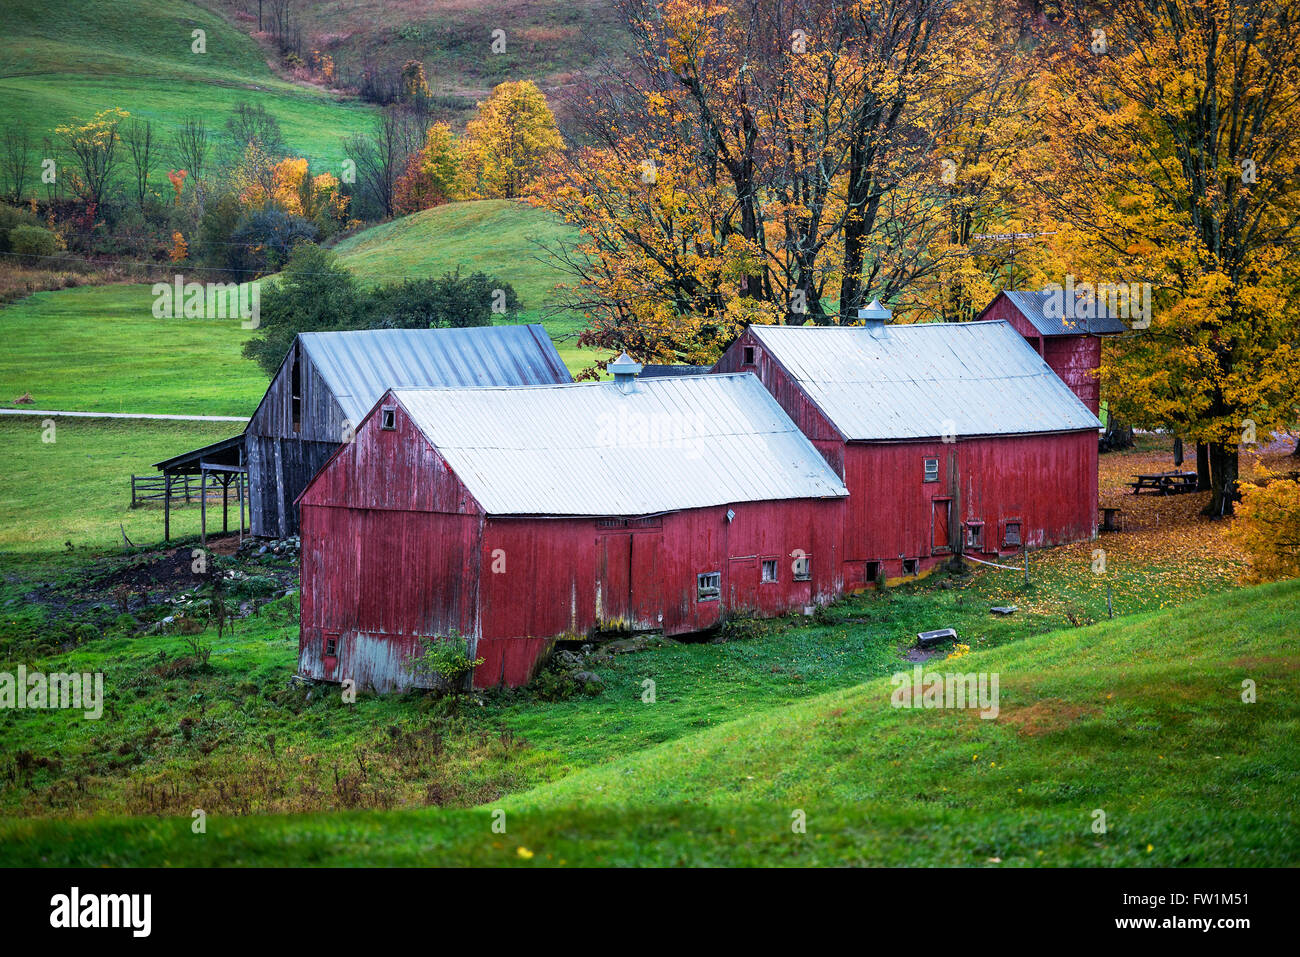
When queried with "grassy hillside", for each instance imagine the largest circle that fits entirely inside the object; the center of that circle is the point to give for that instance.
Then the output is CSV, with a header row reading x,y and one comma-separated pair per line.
x,y
545,41
61,59
1140,718
100,349
497,236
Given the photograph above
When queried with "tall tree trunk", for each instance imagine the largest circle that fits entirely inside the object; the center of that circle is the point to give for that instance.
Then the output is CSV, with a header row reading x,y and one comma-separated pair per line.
x,y
1223,474
1202,466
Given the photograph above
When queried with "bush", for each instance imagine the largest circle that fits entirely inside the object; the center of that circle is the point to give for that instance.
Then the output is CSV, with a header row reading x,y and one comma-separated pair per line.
x,y
33,242
444,662
264,241
11,217
315,293
452,302
1268,528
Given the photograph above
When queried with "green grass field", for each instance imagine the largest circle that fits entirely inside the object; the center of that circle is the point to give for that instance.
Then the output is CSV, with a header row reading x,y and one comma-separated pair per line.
x,y
1141,718
62,59
497,236
78,488
100,349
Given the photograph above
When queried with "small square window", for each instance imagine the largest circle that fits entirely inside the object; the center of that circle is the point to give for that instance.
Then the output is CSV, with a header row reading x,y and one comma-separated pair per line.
x,y
974,534
909,566
331,646
388,419
932,470
873,571
769,570
749,355
1012,534
708,586
803,568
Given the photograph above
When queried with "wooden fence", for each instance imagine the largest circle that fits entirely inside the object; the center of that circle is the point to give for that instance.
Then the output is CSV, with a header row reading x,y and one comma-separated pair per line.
x,y
153,488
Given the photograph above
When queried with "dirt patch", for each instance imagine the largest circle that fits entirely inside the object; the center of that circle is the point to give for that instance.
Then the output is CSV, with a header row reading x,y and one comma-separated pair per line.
x,y
1046,716
169,569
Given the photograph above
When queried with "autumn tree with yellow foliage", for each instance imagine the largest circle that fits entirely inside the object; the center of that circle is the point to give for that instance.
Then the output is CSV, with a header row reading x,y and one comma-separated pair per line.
x,y
433,174
291,188
1175,133
770,161
508,141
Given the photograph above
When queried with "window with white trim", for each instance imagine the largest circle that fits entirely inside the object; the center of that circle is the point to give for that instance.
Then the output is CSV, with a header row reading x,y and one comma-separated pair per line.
x,y
708,586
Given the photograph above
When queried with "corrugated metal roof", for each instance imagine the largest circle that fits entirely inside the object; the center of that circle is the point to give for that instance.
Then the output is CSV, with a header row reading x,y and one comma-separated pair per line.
x,y
926,380
361,365
592,449
1100,322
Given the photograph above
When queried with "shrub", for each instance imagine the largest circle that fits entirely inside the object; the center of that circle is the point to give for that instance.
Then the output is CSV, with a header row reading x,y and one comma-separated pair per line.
x,y
10,218
265,239
32,241
444,662
451,302
1268,528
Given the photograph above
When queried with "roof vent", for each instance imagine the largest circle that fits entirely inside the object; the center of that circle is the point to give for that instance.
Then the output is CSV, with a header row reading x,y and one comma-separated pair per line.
x,y
625,370
874,318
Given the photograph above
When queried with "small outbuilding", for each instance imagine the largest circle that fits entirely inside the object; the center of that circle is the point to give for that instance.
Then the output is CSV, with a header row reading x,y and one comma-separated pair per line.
x,y
330,380
949,436
1069,344
513,517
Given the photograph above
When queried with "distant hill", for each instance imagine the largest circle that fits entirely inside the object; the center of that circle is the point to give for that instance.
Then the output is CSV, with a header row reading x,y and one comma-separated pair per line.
x,y
545,41
61,59
495,236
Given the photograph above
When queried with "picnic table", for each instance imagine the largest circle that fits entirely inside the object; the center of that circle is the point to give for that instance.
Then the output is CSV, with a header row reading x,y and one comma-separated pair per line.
x,y
1166,483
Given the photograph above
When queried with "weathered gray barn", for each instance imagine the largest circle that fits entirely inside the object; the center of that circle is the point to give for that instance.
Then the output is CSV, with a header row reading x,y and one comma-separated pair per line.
x,y
330,380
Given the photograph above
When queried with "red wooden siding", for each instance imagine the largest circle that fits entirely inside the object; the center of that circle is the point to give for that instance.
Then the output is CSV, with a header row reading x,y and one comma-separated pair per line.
x,y
1048,483
385,527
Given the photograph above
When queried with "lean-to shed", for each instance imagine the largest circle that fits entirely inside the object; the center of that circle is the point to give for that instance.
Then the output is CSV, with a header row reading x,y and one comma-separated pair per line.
x,y
330,380
516,516
948,436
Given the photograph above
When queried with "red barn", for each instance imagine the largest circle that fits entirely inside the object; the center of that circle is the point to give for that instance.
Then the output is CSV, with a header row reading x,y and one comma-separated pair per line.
x,y
948,436
1069,344
516,516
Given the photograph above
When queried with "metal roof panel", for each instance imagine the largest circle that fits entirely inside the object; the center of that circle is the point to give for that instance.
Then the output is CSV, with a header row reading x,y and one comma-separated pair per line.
x,y
592,449
926,380
360,365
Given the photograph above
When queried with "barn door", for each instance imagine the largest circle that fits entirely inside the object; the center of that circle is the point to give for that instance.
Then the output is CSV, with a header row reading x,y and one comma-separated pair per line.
x,y
614,581
645,605
941,525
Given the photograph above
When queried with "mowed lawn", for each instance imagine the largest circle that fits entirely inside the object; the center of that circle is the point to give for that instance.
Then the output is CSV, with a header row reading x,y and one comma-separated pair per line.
x,y
78,488
503,238
65,59
1127,743
100,349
